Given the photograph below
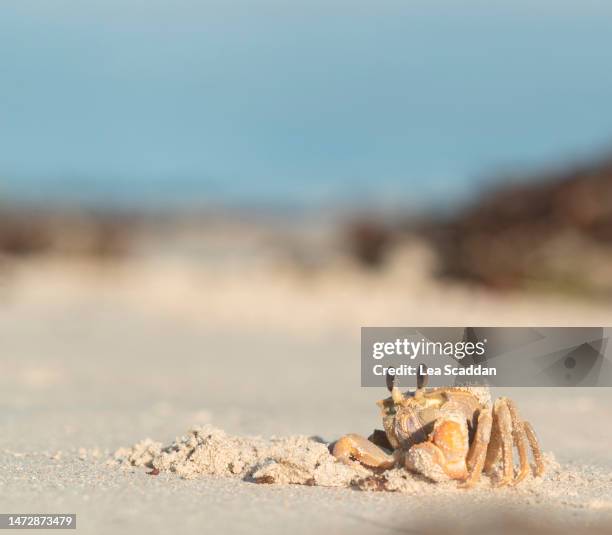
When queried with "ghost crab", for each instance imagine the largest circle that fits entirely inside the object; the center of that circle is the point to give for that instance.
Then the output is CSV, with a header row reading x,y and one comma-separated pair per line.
x,y
447,433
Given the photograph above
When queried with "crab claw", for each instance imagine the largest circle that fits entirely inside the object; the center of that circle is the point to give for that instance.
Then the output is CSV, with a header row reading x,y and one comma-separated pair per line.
x,y
443,456
356,447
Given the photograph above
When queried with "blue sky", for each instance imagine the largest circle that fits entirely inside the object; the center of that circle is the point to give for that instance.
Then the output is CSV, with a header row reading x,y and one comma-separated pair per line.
x,y
295,102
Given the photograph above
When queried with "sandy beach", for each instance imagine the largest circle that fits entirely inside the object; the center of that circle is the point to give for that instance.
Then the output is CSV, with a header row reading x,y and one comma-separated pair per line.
x,y
203,204
100,356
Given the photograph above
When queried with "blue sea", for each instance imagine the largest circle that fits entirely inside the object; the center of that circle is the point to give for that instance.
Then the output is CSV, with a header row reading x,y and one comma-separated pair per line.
x,y
296,103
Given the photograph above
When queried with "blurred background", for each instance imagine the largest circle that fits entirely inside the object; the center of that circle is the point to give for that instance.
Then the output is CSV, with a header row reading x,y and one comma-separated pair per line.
x,y
366,122
202,202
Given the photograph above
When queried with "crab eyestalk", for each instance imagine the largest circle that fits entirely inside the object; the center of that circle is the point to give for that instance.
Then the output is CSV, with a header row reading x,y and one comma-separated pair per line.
x,y
422,379
396,395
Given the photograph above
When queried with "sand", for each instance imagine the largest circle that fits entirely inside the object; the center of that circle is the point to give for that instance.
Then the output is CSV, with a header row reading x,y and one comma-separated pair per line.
x,y
299,460
207,451
96,358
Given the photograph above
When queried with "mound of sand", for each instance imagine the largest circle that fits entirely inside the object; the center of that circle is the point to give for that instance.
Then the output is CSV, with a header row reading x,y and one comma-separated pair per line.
x,y
208,451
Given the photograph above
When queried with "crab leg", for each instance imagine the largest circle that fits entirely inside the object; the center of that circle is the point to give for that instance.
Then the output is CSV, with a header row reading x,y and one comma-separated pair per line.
x,y
495,446
356,447
535,448
478,450
520,441
504,428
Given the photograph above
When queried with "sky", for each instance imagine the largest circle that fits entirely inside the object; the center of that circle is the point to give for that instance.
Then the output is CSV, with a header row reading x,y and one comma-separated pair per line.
x,y
295,102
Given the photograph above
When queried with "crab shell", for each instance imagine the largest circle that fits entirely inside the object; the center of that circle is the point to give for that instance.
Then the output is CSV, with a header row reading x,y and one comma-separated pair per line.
x,y
412,420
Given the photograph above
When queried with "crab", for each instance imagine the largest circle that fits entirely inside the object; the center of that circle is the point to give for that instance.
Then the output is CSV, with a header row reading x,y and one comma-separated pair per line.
x,y
452,433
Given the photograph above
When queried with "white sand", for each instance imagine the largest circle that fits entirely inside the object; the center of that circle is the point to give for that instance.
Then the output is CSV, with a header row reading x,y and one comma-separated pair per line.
x,y
94,359
208,451
299,460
